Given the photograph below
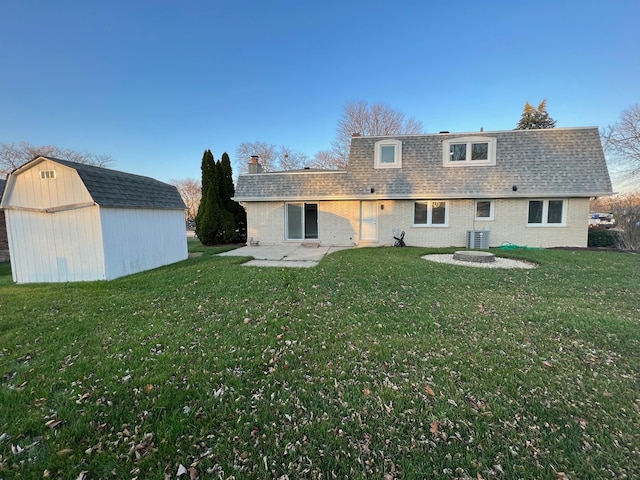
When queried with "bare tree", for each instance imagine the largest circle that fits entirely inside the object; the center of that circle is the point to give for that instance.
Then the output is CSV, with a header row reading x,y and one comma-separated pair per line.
x,y
266,152
289,159
14,155
191,192
327,159
622,142
376,119
273,158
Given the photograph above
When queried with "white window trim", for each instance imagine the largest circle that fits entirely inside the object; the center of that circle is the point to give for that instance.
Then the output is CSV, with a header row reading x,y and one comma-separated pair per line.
x,y
491,154
430,214
397,163
545,212
491,210
304,226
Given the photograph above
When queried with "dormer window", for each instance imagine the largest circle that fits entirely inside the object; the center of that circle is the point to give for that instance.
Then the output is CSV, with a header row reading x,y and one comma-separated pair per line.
x,y
465,151
388,154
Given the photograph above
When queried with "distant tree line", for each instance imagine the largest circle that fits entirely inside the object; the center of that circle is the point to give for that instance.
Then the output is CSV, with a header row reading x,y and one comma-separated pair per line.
x,y
219,219
357,117
14,155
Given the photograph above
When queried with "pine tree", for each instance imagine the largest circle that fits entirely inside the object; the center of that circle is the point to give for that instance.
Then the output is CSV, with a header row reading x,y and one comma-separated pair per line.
x,y
220,219
227,191
209,217
535,118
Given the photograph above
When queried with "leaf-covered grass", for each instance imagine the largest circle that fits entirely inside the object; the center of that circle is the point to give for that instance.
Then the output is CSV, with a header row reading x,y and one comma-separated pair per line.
x,y
375,364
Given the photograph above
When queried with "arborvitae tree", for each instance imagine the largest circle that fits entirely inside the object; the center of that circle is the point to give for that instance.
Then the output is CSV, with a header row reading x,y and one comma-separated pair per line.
x,y
227,191
219,218
208,219
535,118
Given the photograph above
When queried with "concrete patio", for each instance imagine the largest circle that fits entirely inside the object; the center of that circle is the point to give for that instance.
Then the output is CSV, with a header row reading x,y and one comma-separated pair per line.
x,y
294,255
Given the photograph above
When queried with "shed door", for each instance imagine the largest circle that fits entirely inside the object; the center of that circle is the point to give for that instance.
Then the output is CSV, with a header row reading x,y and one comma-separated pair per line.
x,y
369,221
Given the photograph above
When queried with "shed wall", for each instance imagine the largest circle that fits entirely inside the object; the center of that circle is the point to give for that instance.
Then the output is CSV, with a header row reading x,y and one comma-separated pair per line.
x,y
29,190
55,247
4,240
136,239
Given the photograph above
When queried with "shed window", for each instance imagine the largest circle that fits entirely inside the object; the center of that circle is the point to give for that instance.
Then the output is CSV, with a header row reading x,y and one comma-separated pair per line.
x,y
45,174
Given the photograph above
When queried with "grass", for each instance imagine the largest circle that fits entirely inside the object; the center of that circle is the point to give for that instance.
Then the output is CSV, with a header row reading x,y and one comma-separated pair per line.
x,y
375,364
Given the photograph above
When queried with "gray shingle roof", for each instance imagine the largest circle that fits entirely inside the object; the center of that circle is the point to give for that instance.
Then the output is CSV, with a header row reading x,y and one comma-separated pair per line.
x,y
550,162
112,188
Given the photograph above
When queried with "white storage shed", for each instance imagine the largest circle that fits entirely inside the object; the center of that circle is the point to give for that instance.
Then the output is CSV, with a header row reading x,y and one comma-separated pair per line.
x,y
70,222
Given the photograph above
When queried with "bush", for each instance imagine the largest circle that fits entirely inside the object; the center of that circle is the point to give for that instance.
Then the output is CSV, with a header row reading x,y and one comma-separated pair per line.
x,y
628,224
601,237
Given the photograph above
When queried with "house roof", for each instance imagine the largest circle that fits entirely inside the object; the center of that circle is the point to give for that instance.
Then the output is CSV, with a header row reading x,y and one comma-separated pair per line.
x,y
112,188
558,162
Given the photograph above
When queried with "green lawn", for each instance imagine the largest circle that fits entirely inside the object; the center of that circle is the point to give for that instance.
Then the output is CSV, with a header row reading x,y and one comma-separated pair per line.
x,y
375,364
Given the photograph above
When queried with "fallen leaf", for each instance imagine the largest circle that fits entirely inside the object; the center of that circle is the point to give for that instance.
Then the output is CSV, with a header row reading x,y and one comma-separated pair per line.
x,y
148,388
82,475
367,392
53,423
82,398
181,470
429,390
547,364
193,473
64,451
434,427
479,477
562,476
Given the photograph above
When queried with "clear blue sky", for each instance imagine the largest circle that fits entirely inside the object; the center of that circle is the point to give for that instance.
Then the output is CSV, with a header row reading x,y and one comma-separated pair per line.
x,y
154,83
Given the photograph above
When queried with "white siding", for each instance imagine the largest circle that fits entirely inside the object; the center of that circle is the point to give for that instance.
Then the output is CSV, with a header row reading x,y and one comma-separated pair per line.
x,y
31,191
55,247
137,239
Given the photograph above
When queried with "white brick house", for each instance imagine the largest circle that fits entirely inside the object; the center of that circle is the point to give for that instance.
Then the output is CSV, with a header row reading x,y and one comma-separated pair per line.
x,y
523,187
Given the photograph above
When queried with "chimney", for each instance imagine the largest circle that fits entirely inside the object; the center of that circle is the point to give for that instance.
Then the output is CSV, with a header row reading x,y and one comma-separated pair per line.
x,y
254,164
356,134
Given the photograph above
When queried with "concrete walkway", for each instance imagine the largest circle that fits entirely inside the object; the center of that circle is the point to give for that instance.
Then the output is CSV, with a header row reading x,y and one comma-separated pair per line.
x,y
294,255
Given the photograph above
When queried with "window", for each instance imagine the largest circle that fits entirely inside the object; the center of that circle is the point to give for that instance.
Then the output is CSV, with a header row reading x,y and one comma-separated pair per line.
x,y
484,209
546,212
45,174
301,221
430,213
388,154
466,151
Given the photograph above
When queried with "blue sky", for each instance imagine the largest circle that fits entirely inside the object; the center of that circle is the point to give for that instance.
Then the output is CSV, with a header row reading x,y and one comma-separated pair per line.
x,y
155,83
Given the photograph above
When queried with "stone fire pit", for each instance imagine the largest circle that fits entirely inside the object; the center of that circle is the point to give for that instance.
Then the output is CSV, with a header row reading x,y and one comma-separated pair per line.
x,y
475,257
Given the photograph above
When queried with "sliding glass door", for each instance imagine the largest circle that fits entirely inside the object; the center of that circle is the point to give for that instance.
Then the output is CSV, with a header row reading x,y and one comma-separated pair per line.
x,y
301,221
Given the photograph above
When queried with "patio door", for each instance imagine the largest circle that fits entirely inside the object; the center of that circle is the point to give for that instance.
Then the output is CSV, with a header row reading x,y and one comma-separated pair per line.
x,y
369,221
301,221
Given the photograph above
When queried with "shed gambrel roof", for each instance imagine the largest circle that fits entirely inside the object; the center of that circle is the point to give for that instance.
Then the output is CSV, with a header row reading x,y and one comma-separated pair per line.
x,y
558,162
112,188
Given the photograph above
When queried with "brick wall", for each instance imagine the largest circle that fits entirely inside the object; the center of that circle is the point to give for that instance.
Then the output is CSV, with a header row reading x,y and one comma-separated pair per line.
x,y
339,224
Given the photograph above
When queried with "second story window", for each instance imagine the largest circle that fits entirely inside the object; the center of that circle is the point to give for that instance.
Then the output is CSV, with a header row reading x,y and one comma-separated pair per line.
x,y
465,151
388,154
